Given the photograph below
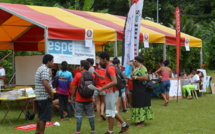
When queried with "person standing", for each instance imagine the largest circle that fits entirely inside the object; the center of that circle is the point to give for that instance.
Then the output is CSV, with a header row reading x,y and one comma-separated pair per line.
x,y
91,62
65,77
112,95
2,76
166,74
44,95
141,100
100,96
82,104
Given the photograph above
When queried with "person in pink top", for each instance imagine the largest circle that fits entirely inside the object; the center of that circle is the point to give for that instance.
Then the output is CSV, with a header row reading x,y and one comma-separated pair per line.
x,y
165,75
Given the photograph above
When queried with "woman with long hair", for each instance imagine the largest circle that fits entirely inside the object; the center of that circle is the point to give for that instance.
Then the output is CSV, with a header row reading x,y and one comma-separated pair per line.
x,y
65,77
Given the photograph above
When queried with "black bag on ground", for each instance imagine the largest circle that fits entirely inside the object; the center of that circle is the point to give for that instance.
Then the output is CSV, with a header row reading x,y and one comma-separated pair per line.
x,y
86,79
150,86
29,116
121,81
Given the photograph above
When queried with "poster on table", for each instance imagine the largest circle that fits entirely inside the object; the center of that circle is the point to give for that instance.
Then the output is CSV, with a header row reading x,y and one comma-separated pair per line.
x,y
174,85
70,51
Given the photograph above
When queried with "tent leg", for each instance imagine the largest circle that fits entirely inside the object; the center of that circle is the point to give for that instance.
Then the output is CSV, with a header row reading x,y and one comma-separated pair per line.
x,y
115,46
201,57
46,40
13,60
164,51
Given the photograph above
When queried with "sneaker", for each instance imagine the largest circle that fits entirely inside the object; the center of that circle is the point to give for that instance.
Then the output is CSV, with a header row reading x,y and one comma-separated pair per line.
x,y
109,133
93,132
124,129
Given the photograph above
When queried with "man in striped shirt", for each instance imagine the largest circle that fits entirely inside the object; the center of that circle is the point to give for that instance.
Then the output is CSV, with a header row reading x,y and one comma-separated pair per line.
x,y
44,95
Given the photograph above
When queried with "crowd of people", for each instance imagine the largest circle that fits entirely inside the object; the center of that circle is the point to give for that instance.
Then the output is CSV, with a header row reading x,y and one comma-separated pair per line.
x,y
73,90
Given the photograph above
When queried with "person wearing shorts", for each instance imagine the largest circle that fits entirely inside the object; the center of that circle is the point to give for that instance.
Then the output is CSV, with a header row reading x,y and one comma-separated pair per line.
x,y
166,74
100,96
82,104
44,95
112,95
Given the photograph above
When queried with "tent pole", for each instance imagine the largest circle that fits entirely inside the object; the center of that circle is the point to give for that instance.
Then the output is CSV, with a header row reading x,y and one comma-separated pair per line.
x,y
46,40
164,51
13,61
115,46
201,57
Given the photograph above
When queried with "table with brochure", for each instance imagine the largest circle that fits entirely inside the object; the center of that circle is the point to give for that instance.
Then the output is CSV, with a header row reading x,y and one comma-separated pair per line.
x,y
7,99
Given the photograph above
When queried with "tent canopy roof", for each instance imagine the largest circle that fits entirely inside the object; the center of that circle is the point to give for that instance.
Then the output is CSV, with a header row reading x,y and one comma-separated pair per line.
x,y
24,26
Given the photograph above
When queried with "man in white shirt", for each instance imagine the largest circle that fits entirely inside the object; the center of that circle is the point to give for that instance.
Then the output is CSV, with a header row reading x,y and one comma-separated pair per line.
x,y
195,80
2,75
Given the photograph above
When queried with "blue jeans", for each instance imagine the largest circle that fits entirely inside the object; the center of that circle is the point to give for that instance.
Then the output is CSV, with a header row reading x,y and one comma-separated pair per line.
x,y
165,86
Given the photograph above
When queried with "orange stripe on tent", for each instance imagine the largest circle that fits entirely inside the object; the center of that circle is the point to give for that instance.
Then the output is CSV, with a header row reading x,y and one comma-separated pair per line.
x,y
48,21
4,16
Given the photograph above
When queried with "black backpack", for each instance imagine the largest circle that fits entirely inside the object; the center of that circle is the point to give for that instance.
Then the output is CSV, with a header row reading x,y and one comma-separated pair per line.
x,y
121,81
86,79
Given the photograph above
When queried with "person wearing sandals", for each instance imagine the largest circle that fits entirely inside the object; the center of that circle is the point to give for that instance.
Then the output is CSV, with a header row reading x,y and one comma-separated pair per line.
x,y
141,100
100,96
166,74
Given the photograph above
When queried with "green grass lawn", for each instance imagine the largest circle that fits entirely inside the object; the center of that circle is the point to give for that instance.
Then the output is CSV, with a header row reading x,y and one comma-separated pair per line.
x,y
182,117
185,116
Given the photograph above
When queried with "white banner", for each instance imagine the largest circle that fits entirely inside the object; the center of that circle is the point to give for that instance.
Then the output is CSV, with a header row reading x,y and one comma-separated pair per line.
x,y
129,36
173,88
146,40
70,51
187,44
138,17
132,31
88,37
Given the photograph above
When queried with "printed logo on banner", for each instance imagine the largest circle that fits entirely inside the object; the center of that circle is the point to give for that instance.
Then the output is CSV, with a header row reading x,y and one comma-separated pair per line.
x,y
146,40
187,44
88,37
60,47
146,37
65,50
89,33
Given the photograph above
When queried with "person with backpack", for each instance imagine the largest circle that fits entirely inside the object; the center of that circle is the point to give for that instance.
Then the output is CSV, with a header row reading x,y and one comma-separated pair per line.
x,y
122,96
62,89
83,96
112,94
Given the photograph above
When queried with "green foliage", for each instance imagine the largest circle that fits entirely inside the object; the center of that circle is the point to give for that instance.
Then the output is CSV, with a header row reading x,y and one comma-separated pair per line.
x,y
88,5
197,20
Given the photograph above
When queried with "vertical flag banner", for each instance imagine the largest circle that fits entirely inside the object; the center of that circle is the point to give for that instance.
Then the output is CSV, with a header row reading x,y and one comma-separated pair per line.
x,y
178,37
132,31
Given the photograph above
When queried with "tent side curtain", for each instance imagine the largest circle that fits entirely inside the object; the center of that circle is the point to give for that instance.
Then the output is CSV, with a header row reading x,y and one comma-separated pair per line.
x,y
24,26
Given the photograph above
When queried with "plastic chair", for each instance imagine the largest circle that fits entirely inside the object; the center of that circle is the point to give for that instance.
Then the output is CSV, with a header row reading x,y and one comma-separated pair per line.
x,y
194,92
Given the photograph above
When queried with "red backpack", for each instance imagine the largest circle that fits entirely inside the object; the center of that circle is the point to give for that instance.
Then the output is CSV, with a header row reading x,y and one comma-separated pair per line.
x,y
86,79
